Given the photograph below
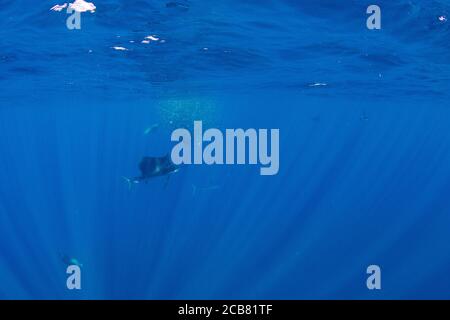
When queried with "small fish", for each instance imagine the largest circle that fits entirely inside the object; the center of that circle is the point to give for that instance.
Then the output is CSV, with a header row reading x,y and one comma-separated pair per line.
x,y
318,84
151,129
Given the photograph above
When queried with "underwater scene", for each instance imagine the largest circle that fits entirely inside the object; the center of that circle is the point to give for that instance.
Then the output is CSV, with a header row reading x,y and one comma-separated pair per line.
x,y
230,149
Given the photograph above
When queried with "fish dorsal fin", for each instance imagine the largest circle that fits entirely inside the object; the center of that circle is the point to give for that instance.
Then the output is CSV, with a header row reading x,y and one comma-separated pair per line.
x,y
147,165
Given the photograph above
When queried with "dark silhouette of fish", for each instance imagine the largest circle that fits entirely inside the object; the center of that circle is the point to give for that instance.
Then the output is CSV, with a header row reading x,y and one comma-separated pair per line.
x,y
152,167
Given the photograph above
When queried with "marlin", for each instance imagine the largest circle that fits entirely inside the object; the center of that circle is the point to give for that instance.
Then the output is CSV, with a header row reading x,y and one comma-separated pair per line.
x,y
152,167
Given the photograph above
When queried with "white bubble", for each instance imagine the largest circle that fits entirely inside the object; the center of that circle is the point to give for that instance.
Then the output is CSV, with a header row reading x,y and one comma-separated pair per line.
x,y
318,84
120,48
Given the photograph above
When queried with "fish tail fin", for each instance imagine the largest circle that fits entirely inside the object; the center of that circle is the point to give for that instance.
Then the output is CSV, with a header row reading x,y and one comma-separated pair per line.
x,y
128,180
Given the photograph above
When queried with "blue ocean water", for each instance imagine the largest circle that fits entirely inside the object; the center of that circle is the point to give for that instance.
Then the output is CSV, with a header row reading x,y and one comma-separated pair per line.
x,y
364,149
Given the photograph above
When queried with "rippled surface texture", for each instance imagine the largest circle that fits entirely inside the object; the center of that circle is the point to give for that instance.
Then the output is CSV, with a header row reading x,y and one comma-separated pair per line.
x,y
364,151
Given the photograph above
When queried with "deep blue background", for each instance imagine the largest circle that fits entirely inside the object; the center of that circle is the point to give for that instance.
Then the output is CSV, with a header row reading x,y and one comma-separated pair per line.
x,y
364,175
